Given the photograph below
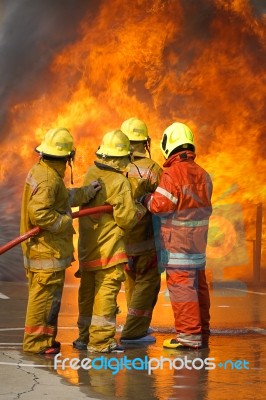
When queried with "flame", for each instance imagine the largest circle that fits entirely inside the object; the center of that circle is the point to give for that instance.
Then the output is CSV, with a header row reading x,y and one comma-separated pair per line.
x,y
201,63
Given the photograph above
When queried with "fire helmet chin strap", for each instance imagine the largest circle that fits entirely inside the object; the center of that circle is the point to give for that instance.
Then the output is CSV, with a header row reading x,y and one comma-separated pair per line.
x,y
148,146
71,170
69,161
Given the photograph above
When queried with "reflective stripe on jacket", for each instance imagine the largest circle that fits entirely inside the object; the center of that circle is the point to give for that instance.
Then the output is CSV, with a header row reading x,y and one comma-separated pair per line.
x,y
183,200
101,237
46,203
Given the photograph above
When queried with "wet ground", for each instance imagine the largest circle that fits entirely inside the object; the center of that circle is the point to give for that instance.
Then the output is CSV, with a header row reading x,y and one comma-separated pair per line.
x,y
233,367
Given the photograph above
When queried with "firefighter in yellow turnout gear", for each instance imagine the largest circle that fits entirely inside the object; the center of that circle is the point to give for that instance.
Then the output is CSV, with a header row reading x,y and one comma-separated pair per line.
x,y
101,248
142,276
47,203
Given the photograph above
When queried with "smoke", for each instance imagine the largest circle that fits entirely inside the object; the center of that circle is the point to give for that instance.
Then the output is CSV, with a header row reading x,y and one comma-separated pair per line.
x,y
199,61
11,262
217,41
259,7
31,33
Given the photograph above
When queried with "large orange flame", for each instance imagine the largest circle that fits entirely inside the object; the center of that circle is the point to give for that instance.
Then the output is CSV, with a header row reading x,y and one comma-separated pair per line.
x,y
201,63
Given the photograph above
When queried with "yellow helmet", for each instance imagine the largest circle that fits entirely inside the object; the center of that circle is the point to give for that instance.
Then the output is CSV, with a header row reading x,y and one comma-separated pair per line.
x,y
57,143
114,144
174,136
135,129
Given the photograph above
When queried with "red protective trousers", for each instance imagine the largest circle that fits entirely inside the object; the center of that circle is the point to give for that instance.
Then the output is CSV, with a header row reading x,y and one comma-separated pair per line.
x,y
189,295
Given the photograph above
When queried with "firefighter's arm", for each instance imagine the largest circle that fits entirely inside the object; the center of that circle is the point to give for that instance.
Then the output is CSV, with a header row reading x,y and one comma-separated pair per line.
x,y
42,210
127,213
82,195
154,177
165,197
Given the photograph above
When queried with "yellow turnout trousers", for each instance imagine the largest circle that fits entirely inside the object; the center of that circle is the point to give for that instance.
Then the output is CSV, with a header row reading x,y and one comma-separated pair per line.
x,y
44,300
98,292
142,286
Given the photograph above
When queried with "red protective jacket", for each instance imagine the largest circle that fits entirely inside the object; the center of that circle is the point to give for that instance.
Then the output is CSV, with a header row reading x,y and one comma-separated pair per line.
x,y
183,201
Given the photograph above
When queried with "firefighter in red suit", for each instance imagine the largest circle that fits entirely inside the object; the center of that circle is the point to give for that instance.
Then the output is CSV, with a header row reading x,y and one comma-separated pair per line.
x,y
183,202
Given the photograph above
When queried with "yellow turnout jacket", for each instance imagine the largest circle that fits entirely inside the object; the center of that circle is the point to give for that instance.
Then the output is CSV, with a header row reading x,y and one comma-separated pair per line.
x,y
101,236
46,203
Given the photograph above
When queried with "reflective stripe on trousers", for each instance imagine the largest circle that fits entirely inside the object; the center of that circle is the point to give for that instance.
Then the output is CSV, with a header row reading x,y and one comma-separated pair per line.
x,y
97,305
142,287
189,295
44,300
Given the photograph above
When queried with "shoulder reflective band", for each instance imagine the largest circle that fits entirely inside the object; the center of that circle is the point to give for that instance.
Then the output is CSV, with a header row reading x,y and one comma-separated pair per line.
x,y
168,195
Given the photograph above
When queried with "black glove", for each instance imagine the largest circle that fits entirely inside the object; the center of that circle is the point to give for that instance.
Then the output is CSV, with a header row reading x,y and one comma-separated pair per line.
x,y
142,199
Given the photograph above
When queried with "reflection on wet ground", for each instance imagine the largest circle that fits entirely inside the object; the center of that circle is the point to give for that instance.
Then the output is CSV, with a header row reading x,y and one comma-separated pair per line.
x,y
233,367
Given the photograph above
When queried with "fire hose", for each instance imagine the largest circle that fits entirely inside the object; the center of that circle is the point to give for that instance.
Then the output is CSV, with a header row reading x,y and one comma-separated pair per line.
x,y
34,231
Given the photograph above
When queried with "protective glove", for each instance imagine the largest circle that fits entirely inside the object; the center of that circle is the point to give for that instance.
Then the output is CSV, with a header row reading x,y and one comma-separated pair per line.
x,y
144,199
139,187
141,210
92,189
141,199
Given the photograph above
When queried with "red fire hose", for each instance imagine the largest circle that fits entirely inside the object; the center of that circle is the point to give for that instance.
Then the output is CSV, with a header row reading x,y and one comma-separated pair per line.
x,y
37,229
